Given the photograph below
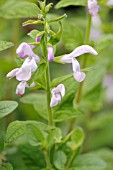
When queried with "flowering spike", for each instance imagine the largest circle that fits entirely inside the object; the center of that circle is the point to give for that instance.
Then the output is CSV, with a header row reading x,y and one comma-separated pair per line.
x,y
93,7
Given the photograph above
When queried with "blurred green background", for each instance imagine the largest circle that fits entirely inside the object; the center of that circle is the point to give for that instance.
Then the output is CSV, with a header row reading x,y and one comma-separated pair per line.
x,y
97,117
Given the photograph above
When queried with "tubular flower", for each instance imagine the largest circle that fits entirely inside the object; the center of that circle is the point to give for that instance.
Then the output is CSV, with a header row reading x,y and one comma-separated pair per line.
x,y
20,90
93,7
57,94
50,53
24,73
25,49
70,58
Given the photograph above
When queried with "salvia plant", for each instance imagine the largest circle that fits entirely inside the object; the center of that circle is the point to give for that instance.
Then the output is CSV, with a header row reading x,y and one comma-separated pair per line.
x,y
56,100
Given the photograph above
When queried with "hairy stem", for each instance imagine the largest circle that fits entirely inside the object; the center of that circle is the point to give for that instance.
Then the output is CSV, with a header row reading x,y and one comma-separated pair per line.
x,y
47,160
50,115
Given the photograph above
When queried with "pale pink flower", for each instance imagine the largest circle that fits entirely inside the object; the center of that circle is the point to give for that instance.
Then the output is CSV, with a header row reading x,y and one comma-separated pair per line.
x,y
57,94
93,7
24,72
70,58
20,90
25,50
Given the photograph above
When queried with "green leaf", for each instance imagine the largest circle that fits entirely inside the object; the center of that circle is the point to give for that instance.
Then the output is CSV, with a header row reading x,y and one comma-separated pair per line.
x,y
77,138
96,76
107,156
30,22
55,38
33,157
70,40
5,45
18,9
65,3
104,42
43,44
88,162
18,128
33,34
39,102
58,19
6,107
34,134
40,76
6,166
54,136
60,160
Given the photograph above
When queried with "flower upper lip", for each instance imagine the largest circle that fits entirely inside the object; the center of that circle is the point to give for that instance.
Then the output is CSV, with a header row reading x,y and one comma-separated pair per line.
x,y
71,58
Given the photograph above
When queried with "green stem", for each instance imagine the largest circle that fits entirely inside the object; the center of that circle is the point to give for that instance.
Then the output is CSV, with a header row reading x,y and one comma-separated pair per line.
x,y
88,30
70,160
50,115
49,96
47,160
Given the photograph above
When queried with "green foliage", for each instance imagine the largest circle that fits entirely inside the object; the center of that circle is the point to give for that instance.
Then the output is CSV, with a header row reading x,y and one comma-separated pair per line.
x,y
31,22
39,102
58,19
1,142
88,161
59,160
34,134
19,128
6,107
70,40
55,38
20,9
104,42
5,45
65,3
33,157
76,139
6,166
107,156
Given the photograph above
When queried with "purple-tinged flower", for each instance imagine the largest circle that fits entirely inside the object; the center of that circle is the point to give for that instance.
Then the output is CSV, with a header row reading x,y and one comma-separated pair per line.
x,y
57,94
25,49
50,53
93,7
70,58
24,73
38,38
